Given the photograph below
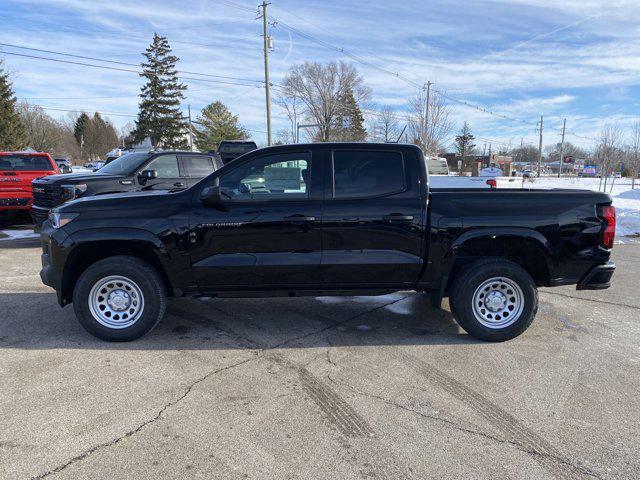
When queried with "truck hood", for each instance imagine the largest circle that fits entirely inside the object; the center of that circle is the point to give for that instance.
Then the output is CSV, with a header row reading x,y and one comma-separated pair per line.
x,y
116,201
75,178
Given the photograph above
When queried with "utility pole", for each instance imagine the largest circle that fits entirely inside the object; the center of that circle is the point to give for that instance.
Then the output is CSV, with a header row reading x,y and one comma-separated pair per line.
x,y
266,68
540,146
564,125
426,115
190,129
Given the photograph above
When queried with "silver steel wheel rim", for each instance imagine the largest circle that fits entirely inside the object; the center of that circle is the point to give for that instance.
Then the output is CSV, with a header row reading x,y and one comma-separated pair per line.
x,y
498,302
116,302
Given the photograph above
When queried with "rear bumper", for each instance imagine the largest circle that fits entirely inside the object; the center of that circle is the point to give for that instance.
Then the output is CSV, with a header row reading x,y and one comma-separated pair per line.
x,y
598,278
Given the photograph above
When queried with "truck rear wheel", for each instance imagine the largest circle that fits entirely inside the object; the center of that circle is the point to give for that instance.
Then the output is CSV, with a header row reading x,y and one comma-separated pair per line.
x,y
119,299
494,300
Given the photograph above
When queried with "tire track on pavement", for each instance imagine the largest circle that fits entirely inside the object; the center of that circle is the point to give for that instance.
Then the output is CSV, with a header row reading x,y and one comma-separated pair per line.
x,y
550,457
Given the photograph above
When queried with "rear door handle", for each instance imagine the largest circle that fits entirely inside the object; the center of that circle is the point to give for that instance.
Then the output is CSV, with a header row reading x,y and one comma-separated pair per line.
x,y
398,218
179,184
299,219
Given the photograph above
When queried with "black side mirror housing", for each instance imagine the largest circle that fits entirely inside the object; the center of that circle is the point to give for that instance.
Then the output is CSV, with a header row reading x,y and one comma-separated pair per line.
x,y
65,169
211,196
145,175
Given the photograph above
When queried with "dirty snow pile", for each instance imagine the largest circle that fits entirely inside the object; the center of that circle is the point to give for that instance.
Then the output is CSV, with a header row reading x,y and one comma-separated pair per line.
x,y
626,201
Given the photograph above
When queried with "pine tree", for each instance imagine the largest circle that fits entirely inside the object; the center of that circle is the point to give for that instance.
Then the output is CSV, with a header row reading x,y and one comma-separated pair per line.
x,y
160,117
80,128
349,125
217,124
464,144
13,135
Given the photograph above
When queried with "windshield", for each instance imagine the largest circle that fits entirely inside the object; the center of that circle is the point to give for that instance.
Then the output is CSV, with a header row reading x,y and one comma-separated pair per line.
x,y
125,165
25,163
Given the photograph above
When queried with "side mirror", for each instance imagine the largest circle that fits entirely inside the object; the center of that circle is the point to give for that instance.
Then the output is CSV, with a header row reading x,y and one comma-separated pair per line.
x,y
211,196
65,168
145,175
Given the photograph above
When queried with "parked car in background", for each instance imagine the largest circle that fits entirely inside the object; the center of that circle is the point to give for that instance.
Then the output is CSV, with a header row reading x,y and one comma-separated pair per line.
x,y
327,219
17,170
231,149
171,170
64,164
437,166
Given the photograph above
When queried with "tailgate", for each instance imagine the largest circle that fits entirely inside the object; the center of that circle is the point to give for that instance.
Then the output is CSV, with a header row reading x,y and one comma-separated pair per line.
x,y
18,182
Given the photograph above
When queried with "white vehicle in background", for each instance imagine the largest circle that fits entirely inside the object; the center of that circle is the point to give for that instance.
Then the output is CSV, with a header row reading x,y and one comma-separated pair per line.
x,y
437,166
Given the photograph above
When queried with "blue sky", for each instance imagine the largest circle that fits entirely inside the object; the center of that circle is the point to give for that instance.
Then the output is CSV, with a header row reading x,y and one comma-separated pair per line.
x,y
578,59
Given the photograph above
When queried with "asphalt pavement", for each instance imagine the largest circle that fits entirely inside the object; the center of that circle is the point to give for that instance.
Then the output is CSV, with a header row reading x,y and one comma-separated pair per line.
x,y
320,388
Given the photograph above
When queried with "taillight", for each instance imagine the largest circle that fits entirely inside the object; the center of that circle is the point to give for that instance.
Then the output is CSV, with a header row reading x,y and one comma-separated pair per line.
x,y
492,183
608,214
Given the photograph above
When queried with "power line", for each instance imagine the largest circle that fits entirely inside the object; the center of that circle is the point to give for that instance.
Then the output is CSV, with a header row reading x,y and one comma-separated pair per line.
x,y
120,69
115,62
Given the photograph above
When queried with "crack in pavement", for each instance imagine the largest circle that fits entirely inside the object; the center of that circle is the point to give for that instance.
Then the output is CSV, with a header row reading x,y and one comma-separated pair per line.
x,y
616,304
257,354
140,427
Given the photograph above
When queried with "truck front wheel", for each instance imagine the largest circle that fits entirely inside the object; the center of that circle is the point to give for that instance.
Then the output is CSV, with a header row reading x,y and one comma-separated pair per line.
x,y
119,299
494,300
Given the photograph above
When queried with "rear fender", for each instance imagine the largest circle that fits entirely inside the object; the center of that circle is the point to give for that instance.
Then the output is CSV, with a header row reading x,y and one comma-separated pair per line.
x,y
527,247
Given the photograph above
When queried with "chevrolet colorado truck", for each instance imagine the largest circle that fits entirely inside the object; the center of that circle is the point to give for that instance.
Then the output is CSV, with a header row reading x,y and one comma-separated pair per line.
x,y
17,171
325,219
130,172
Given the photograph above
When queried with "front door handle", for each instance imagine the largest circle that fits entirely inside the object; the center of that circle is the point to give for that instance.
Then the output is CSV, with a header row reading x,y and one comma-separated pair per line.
x,y
179,184
299,219
398,218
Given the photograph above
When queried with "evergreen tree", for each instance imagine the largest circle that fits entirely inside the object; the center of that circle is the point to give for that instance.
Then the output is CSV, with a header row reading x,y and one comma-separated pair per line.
x,y
80,128
160,117
349,125
12,132
464,144
217,123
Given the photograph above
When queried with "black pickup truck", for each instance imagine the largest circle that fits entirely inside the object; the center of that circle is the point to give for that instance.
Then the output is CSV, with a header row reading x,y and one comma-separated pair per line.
x,y
130,172
325,219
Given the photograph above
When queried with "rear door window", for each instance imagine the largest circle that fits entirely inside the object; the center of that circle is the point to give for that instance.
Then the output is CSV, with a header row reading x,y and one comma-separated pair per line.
x,y
367,173
198,166
25,163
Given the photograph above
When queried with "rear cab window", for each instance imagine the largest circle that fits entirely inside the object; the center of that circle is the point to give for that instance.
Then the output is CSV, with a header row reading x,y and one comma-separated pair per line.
x,y
25,163
365,174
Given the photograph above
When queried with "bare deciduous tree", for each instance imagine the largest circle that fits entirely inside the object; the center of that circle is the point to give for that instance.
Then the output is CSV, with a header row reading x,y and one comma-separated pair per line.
x,y
321,90
429,130
293,107
44,134
385,126
608,151
634,153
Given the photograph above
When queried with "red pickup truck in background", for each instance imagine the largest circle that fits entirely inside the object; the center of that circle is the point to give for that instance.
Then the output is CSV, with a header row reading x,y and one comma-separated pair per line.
x,y
17,170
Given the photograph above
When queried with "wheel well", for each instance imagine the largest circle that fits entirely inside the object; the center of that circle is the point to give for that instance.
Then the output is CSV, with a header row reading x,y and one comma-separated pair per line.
x,y
525,252
86,255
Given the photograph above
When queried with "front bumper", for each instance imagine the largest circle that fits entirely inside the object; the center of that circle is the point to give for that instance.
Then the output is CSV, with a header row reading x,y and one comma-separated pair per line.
x,y
598,278
15,203
51,272
39,215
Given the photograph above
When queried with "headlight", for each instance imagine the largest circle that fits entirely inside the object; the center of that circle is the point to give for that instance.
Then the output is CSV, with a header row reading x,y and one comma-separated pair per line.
x,y
69,192
60,219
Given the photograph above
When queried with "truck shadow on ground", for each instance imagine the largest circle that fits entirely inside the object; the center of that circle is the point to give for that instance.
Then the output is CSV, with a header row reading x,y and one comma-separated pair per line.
x,y
35,321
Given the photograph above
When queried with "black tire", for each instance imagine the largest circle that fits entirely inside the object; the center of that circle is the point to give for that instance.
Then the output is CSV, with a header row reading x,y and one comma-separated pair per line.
x,y
471,278
145,277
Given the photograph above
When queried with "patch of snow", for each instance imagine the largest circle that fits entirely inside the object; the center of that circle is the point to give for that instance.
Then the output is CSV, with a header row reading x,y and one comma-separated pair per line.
x,y
17,234
626,200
